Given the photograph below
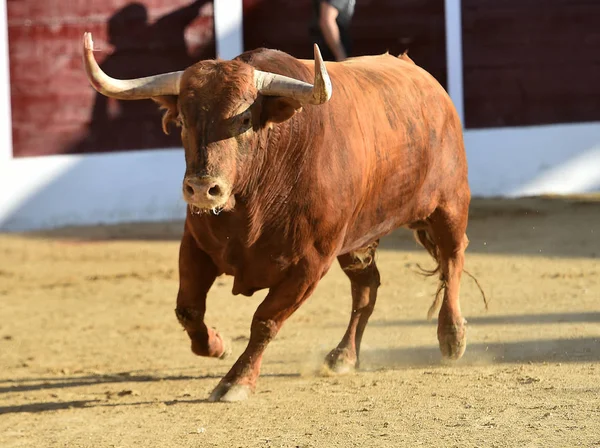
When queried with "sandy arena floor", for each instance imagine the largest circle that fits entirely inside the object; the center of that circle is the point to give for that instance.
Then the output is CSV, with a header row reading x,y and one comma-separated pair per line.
x,y
91,354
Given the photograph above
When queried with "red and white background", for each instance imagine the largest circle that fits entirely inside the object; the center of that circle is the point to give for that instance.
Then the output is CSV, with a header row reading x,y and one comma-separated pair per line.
x,y
523,75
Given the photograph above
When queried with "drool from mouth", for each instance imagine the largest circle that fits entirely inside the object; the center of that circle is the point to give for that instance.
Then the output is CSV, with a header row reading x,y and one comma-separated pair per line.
x,y
198,211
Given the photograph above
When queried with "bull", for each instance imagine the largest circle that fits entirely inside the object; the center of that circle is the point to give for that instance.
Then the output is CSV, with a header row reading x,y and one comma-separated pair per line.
x,y
283,177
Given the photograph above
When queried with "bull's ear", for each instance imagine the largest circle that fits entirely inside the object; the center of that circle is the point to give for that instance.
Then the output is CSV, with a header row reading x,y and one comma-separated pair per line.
x,y
277,109
169,105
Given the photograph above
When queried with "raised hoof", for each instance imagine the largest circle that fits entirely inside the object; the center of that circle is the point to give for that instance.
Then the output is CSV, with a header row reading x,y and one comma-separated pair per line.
x,y
217,346
226,348
230,393
341,361
453,340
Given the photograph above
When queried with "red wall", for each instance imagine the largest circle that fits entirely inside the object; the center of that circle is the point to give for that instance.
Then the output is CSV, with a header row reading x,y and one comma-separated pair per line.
x,y
530,62
525,61
54,109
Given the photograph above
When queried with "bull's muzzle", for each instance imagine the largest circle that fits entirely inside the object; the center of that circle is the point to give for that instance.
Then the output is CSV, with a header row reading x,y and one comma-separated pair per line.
x,y
204,194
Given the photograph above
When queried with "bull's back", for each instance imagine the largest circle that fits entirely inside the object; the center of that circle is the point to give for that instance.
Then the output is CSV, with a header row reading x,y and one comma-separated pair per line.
x,y
401,141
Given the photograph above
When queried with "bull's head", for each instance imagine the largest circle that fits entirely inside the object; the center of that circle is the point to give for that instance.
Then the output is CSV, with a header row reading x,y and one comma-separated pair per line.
x,y
214,103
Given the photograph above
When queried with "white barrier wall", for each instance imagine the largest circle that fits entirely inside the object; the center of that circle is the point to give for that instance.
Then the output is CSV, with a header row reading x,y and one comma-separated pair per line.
x,y
42,192
556,159
52,191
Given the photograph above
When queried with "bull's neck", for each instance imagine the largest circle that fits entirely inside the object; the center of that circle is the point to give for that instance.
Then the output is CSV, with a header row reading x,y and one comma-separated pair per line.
x,y
273,172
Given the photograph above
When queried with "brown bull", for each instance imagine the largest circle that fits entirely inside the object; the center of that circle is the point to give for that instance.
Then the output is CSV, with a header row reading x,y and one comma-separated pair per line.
x,y
282,178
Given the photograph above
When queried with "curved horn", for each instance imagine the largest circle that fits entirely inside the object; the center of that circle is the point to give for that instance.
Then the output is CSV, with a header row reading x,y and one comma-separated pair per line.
x,y
131,89
272,84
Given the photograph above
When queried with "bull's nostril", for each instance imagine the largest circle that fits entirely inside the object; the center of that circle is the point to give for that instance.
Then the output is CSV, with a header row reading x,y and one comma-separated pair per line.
x,y
189,189
215,190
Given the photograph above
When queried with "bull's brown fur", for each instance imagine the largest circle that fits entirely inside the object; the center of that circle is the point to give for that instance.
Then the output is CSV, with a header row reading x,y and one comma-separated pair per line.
x,y
314,183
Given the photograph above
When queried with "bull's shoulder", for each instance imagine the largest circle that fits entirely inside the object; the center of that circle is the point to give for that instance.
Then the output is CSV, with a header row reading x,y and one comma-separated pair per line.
x,y
384,61
259,54
404,56
274,61
400,68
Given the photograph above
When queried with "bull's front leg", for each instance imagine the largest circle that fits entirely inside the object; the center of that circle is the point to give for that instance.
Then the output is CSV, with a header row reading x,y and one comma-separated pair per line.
x,y
281,301
197,273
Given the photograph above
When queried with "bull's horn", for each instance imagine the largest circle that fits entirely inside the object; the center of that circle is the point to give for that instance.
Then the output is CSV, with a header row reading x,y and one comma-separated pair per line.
x,y
272,84
131,89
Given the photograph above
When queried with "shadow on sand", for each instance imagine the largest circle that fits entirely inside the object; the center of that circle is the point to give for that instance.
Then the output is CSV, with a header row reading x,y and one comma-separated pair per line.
x,y
514,319
481,353
531,351
67,382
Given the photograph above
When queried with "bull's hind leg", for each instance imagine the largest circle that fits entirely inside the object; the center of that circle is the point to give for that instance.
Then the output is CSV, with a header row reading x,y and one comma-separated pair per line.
x,y
362,271
447,242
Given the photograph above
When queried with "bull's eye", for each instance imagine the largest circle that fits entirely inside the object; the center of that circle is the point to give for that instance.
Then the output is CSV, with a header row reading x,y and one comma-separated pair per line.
x,y
246,122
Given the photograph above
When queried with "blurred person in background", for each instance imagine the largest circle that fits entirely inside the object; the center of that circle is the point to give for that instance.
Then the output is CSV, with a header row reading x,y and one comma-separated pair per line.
x,y
330,28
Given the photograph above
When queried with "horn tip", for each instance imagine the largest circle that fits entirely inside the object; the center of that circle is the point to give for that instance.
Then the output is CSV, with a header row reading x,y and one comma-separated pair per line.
x,y
88,43
322,79
317,52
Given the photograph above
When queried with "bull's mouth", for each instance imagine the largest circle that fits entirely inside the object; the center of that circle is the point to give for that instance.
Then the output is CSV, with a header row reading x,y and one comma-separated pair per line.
x,y
199,211
213,210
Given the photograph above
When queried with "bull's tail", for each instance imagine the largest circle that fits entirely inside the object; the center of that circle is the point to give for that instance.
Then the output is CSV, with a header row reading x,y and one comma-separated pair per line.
x,y
423,238
485,300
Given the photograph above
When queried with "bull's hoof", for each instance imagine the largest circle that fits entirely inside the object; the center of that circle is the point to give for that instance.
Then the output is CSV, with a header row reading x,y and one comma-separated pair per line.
x,y
341,361
453,340
226,344
230,393
216,347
